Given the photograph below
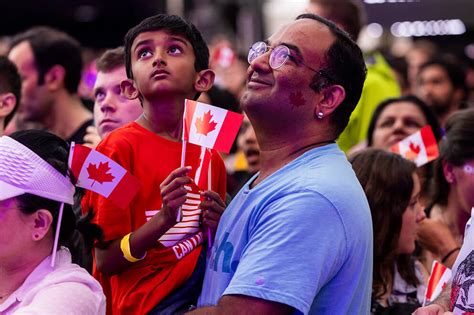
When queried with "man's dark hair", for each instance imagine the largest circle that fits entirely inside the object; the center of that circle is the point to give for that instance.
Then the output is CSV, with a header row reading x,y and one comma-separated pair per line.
x,y
10,82
175,25
350,14
342,64
454,71
111,59
52,47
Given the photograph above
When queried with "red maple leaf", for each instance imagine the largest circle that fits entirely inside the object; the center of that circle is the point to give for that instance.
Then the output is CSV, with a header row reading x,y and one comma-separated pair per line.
x,y
100,173
204,125
414,148
297,99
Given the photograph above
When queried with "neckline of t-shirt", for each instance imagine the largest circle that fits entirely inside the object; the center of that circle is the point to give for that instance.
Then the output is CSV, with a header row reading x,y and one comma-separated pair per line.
x,y
315,151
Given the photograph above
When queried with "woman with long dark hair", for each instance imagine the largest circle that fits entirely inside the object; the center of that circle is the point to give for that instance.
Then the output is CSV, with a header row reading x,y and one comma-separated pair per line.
x,y
392,188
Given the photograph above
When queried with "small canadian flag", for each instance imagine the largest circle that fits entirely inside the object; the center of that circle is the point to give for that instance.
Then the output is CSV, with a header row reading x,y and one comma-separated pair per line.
x,y
98,173
439,278
209,126
223,55
420,147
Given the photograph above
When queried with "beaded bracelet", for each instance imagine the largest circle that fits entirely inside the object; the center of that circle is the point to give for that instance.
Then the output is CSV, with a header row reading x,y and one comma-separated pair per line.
x,y
449,254
125,247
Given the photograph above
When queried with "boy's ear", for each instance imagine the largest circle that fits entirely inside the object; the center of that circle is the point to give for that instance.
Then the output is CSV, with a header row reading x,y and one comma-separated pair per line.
x,y
332,97
128,89
54,77
7,104
204,80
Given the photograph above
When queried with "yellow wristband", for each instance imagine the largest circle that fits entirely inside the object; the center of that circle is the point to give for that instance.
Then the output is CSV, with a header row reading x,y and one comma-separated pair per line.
x,y
125,247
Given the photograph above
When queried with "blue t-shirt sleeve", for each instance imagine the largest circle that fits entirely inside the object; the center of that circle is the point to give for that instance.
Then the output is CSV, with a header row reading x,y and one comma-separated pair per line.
x,y
281,262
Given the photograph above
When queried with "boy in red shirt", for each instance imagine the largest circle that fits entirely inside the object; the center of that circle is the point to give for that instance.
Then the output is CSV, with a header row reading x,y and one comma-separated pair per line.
x,y
146,254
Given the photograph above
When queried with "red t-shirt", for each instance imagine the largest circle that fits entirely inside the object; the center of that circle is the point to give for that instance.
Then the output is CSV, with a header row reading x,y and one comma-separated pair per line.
x,y
167,266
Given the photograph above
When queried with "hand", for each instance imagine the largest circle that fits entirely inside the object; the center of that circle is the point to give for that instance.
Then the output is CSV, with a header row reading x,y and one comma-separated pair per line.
x,y
92,138
212,209
173,192
435,236
433,309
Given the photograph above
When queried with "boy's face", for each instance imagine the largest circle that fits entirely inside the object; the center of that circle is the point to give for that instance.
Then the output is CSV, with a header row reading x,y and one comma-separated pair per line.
x,y
163,64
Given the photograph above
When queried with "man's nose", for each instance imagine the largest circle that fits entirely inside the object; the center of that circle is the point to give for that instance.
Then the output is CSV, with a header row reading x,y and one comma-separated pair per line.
x,y
108,103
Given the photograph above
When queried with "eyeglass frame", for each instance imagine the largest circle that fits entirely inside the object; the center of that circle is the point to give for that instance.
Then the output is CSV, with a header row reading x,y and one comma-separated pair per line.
x,y
288,56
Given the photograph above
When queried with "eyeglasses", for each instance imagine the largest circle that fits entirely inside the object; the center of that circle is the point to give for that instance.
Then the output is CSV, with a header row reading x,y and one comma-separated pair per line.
x,y
278,56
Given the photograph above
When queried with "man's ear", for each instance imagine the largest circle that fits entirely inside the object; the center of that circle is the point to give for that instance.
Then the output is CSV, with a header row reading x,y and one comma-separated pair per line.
x,y
54,77
332,97
204,80
448,171
42,221
128,89
7,104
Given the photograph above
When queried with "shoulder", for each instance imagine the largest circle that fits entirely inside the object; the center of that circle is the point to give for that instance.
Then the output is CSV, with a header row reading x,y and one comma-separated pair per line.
x,y
123,138
69,289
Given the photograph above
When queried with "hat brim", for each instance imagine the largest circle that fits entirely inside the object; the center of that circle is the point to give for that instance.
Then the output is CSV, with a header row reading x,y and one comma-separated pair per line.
x,y
8,191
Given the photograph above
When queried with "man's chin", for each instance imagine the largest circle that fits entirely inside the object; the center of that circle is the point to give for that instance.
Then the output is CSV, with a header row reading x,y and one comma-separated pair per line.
x,y
439,109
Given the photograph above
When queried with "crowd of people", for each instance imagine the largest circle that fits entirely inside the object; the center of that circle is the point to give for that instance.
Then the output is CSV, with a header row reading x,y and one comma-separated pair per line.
x,y
312,212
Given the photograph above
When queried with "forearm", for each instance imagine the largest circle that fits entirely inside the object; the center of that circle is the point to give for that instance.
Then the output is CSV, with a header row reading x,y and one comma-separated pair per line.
x,y
245,305
110,259
444,299
210,310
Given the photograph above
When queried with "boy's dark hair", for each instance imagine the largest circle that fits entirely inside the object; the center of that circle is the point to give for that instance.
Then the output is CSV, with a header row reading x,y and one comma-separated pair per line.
x,y
174,25
10,82
52,47
111,59
344,65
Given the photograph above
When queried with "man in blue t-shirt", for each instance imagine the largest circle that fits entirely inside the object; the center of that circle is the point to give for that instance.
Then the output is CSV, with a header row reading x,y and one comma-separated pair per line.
x,y
297,238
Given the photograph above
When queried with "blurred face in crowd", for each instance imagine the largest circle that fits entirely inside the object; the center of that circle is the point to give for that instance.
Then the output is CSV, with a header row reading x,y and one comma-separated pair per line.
x,y
461,183
112,109
397,121
436,89
36,101
413,214
247,142
415,59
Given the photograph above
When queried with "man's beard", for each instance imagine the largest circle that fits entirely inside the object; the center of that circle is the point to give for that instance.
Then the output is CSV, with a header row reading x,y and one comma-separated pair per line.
x,y
440,108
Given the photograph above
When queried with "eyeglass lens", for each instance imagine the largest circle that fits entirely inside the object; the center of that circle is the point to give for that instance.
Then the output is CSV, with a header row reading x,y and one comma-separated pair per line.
x,y
278,56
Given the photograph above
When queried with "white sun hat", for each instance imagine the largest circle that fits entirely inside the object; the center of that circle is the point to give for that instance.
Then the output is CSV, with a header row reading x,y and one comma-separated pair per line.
x,y
23,171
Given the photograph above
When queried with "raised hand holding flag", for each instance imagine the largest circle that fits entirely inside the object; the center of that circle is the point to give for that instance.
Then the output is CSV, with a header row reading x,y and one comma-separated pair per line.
x,y
209,127
439,278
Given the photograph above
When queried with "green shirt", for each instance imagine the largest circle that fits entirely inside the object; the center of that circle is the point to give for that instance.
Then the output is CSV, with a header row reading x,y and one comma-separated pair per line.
x,y
379,85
